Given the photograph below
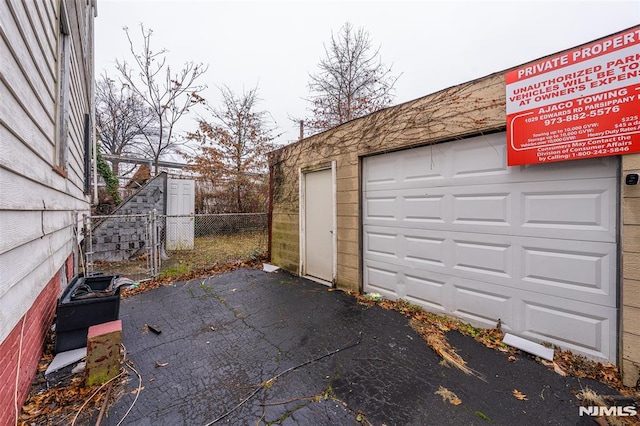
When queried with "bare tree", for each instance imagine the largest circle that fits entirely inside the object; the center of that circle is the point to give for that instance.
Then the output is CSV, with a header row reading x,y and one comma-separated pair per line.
x,y
122,120
351,82
168,95
234,144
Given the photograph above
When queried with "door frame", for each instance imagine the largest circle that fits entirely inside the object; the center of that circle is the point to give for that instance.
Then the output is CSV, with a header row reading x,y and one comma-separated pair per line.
x,y
302,172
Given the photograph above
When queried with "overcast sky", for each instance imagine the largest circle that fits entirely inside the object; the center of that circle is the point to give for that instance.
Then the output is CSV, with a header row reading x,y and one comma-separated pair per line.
x,y
275,45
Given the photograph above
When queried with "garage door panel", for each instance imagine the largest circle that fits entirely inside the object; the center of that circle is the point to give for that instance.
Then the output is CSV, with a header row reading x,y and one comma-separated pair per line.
x,y
481,305
427,290
406,205
564,209
592,168
570,324
482,157
425,250
463,163
452,228
394,169
560,268
412,248
382,278
382,244
585,272
567,208
423,208
483,258
574,210
493,209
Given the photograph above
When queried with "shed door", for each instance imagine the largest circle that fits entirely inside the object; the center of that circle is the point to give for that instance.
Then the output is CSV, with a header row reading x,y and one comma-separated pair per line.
x,y
451,228
318,225
180,210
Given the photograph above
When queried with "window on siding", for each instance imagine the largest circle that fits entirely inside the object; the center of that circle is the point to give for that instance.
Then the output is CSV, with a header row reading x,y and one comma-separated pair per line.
x,y
64,91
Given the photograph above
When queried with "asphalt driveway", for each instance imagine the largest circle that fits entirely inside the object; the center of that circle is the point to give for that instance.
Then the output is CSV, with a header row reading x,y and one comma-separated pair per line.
x,y
250,347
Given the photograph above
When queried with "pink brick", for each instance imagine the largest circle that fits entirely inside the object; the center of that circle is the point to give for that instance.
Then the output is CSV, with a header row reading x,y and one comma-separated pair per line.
x,y
105,328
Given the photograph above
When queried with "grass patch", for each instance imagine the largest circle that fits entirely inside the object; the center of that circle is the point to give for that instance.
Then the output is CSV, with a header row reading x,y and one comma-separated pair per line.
x,y
174,271
208,252
215,250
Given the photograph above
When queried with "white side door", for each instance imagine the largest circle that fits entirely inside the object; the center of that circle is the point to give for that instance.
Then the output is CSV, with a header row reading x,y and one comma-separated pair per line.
x,y
180,210
318,224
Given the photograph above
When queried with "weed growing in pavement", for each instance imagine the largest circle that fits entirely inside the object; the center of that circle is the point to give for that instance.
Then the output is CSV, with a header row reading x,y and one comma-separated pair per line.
x,y
175,271
483,417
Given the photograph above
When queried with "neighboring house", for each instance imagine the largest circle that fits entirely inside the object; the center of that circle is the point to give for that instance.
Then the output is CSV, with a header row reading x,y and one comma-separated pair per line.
x,y
46,110
417,202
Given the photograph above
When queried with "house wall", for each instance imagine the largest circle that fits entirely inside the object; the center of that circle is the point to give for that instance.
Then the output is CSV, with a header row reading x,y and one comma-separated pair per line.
x,y
40,196
473,108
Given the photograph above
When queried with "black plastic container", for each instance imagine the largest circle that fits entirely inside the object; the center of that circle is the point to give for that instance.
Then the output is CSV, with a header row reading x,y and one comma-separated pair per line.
x,y
74,317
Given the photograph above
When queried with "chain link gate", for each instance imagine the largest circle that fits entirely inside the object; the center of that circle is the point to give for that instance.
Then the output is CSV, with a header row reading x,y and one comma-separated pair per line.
x,y
144,246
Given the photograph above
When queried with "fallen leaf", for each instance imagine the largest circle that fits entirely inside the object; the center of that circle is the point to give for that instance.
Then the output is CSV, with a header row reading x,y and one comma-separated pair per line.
x,y
558,370
519,395
447,395
137,390
511,358
161,364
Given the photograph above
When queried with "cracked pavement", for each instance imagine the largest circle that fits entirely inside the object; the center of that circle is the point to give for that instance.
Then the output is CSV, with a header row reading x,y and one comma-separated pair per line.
x,y
223,338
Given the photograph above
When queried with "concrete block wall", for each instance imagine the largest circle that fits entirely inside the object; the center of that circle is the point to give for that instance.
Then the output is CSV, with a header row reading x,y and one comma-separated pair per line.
x,y
115,238
630,288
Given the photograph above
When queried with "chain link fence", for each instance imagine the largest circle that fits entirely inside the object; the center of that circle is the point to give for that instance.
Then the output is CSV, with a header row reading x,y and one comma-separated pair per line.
x,y
202,241
149,246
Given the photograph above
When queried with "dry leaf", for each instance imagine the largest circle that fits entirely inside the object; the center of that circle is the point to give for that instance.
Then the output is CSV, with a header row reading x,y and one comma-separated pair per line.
x,y
136,390
161,364
558,370
511,358
519,395
447,395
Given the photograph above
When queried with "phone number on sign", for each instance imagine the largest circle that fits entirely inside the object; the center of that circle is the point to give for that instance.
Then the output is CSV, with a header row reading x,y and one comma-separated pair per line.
x,y
602,151
582,115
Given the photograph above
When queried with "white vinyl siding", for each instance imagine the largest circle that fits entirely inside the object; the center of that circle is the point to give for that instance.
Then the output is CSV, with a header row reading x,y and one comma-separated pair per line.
x,y
38,206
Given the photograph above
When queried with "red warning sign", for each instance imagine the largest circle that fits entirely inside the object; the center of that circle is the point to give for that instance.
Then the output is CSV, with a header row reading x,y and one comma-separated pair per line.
x,y
580,104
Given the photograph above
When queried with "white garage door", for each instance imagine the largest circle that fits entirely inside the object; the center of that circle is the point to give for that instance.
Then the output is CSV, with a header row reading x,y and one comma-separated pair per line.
x,y
451,228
